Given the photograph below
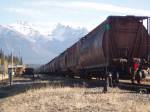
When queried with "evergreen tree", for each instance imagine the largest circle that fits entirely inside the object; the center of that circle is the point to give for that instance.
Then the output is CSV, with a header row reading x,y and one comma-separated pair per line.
x,y
8,59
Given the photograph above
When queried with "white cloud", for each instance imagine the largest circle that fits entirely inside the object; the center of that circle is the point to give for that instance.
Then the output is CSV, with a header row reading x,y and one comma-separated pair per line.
x,y
44,27
93,6
24,11
106,7
37,7
42,13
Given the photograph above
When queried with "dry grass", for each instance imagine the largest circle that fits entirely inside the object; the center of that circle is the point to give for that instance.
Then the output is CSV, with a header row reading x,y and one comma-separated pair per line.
x,y
77,99
3,77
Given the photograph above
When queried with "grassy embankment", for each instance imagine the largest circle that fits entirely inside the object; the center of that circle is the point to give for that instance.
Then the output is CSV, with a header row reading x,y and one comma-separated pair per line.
x,y
53,97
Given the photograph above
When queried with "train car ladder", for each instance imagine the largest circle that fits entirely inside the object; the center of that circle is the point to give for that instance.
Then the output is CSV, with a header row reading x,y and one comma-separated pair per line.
x,y
148,30
148,25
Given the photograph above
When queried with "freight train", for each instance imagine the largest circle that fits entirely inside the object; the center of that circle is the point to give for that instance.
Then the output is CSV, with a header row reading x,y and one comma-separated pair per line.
x,y
118,47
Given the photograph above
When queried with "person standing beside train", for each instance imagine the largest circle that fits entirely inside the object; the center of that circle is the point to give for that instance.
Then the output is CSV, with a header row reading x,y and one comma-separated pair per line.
x,y
136,66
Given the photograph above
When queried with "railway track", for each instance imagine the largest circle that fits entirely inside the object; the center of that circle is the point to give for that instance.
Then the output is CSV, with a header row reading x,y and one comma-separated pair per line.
x,y
123,84
140,88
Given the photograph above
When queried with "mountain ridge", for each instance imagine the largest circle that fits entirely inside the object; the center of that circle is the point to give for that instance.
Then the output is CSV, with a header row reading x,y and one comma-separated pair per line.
x,y
36,48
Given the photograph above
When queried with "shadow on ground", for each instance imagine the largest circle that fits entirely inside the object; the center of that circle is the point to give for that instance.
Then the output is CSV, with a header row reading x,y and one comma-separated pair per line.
x,y
26,83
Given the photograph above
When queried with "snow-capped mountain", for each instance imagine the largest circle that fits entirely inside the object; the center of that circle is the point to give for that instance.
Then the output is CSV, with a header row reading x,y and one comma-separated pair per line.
x,y
34,47
12,41
63,37
29,30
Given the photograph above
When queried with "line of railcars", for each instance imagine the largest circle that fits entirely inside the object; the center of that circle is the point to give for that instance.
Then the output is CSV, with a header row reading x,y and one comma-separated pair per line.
x,y
112,47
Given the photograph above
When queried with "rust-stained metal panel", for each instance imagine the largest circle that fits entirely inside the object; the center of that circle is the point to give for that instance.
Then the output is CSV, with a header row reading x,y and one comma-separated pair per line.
x,y
127,39
117,37
91,50
73,56
62,61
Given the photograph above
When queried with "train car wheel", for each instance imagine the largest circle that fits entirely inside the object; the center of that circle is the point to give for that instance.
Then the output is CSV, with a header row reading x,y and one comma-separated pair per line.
x,y
142,91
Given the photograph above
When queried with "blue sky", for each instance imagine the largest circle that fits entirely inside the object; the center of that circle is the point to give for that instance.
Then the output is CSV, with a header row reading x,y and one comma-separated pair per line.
x,y
76,13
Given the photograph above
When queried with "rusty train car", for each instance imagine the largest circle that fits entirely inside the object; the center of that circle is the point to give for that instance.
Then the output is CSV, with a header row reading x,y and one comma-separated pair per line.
x,y
111,47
